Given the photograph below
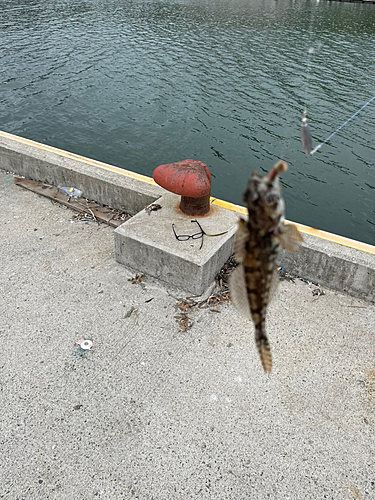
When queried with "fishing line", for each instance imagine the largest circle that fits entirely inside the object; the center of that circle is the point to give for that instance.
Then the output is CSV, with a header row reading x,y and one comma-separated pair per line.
x,y
310,52
305,134
291,128
335,132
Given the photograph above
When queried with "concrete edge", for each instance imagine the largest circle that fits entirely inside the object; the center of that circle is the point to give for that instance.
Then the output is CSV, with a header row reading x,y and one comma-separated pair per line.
x,y
336,262
311,231
98,181
334,266
180,254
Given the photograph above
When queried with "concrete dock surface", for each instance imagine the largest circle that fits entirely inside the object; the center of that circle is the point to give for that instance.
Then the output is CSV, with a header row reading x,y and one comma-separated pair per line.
x,y
156,412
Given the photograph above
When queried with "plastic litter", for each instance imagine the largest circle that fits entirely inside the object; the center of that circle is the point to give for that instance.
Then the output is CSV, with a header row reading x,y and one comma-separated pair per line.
x,y
70,191
85,344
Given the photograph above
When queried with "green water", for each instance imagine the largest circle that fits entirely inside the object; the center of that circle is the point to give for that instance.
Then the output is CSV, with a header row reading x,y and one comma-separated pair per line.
x,y
141,83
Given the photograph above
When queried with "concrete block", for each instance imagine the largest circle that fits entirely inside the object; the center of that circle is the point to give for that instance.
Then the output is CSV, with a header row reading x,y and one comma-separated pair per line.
x,y
336,267
98,181
147,244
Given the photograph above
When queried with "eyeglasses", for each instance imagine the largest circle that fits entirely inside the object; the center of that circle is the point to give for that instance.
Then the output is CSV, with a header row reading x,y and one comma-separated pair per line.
x,y
196,236
185,237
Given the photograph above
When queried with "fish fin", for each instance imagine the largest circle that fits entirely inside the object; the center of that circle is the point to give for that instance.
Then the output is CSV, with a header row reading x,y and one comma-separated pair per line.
x,y
274,284
238,291
290,237
242,236
263,348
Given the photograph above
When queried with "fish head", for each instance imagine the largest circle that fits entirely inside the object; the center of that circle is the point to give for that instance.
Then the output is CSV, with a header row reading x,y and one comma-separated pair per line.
x,y
263,198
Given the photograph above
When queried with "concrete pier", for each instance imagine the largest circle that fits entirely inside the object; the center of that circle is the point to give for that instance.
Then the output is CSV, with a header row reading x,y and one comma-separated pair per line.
x,y
336,262
156,412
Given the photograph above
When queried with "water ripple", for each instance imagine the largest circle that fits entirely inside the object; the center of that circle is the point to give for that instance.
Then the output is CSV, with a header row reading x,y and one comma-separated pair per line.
x,y
138,83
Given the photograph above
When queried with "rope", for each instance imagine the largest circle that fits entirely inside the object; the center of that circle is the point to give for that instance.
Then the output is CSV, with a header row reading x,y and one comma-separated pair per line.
x,y
341,126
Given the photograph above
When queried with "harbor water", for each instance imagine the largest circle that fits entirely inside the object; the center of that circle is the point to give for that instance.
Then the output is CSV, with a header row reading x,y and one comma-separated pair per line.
x,y
138,83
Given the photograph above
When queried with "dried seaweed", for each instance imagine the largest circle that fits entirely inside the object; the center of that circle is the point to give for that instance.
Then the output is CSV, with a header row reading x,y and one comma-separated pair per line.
x,y
184,321
138,279
221,295
317,291
153,207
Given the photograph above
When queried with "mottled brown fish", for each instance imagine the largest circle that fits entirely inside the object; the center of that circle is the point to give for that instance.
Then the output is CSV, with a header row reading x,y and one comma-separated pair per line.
x,y
255,250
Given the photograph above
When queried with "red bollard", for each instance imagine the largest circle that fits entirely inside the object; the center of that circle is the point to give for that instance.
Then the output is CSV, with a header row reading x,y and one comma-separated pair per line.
x,y
191,180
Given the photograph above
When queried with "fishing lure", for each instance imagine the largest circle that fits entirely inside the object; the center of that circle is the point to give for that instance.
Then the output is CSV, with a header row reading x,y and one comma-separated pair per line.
x,y
305,135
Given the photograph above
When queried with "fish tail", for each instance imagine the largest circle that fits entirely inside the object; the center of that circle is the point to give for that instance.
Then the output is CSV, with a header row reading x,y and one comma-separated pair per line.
x,y
264,350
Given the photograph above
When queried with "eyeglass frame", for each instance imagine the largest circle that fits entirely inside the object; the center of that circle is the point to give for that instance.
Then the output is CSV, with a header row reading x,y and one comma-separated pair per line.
x,y
186,237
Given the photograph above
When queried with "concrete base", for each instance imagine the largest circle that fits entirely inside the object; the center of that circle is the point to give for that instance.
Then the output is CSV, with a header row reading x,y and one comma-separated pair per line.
x,y
147,243
334,266
152,411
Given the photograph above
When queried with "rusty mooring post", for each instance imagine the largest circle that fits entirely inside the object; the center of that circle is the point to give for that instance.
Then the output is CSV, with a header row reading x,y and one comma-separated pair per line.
x,y
191,180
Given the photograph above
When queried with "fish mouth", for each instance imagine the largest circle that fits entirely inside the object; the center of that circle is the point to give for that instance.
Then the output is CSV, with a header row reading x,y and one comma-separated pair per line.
x,y
272,196
277,169
271,199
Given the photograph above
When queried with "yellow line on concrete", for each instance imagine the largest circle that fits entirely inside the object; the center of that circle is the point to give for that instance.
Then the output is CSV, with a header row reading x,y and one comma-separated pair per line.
x,y
324,235
334,238
82,159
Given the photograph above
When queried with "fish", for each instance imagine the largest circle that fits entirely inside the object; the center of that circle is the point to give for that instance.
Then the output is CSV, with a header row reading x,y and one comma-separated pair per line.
x,y
255,250
305,136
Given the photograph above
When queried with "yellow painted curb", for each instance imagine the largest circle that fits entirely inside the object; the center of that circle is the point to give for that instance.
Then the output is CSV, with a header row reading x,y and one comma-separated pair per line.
x,y
82,159
324,235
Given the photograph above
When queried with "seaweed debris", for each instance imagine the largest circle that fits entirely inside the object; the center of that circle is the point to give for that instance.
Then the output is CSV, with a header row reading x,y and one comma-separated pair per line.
x,y
221,294
138,279
317,291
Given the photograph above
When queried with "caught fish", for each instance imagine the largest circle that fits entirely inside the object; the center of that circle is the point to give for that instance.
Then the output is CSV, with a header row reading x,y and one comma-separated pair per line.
x,y
255,250
305,135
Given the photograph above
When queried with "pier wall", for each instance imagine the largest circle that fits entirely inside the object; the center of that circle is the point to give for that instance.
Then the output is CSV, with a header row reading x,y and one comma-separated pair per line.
x,y
335,262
